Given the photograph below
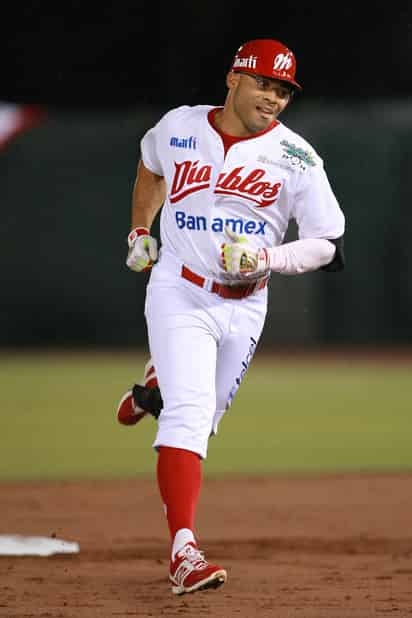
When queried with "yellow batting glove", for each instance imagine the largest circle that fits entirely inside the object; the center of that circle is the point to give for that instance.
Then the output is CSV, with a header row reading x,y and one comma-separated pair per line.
x,y
237,256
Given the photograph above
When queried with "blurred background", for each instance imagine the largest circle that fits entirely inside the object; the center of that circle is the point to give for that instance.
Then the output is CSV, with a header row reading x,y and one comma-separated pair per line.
x,y
79,87
89,83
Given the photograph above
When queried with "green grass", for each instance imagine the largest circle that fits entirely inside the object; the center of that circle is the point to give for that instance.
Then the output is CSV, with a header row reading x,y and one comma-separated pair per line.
x,y
57,419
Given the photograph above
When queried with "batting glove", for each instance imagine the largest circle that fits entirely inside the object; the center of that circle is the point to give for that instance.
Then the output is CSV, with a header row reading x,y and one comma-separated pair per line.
x,y
239,258
142,250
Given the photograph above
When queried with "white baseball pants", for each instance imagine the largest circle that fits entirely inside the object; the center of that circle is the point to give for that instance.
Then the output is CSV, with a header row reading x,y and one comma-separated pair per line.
x,y
201,346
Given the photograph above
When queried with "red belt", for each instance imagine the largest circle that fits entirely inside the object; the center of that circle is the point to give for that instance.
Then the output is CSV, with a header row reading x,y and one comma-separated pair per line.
x,y
225,291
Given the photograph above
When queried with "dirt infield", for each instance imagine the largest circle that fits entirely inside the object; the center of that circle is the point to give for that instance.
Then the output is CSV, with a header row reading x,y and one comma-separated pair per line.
x,y
330,547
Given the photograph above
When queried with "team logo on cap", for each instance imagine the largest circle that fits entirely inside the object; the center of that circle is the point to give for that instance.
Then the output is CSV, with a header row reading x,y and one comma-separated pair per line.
x,y
282,62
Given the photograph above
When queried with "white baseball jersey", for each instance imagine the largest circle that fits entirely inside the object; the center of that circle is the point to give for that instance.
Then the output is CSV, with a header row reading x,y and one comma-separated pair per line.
x,y
256,188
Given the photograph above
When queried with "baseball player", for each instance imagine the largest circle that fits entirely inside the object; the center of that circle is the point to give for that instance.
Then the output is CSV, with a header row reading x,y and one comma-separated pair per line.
x,y
229,180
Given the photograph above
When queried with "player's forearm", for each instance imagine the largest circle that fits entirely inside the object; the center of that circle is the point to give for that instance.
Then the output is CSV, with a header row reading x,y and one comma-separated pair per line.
x,y
149,193
301,256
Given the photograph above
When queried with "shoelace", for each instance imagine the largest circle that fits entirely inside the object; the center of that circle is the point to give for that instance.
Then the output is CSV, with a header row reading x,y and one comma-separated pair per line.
x,y
195,556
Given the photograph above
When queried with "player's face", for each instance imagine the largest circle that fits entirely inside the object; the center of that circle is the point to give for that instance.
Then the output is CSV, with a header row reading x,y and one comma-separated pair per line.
x,y
256,100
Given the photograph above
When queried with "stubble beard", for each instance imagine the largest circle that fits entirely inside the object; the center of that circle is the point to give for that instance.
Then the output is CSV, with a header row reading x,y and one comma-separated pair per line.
x,y
245,117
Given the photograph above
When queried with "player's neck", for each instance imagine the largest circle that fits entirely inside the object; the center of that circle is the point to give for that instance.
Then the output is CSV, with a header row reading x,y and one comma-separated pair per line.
x,y
229,124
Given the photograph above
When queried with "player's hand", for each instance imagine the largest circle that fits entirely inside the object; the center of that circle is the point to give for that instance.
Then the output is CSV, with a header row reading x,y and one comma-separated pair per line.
x,y
142,250
239,258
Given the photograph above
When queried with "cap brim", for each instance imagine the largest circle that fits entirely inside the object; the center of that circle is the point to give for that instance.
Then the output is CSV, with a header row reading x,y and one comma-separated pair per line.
x,y
291,82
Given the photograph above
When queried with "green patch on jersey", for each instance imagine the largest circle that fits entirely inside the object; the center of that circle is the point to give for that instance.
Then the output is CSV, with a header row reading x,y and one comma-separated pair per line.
x,y
294,152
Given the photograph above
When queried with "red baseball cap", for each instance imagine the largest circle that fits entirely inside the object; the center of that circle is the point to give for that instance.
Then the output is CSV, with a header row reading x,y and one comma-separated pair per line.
x,y
268,58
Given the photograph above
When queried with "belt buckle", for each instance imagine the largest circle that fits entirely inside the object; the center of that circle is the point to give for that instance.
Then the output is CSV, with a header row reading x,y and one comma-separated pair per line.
x,y
238,291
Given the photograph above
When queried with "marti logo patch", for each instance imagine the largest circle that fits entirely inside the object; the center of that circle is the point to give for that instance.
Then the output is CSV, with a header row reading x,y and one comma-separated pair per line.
x,y
252,185
183,142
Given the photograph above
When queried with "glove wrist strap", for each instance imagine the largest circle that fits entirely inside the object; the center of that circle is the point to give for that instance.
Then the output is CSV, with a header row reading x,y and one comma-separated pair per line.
x,y
134,234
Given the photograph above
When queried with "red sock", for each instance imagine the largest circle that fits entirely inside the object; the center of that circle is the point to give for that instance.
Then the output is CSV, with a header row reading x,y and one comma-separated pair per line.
x,y
179,475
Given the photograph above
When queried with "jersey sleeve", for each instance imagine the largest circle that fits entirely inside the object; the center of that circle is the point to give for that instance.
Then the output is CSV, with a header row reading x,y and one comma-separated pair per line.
x,y
149,150
316,209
